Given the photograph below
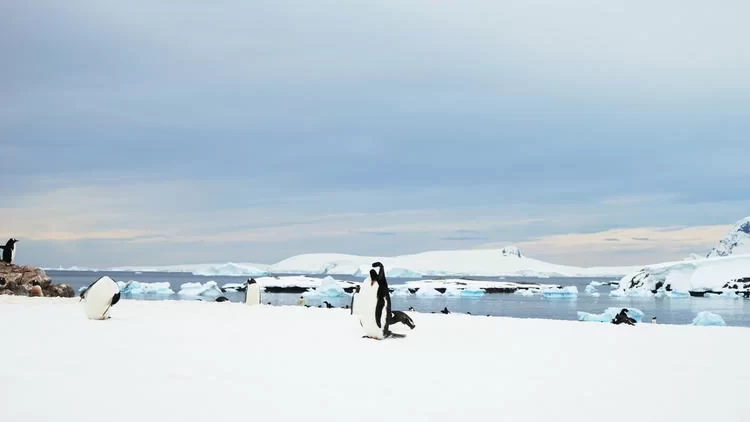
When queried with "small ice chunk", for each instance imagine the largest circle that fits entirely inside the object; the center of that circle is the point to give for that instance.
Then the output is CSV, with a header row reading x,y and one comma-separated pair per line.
x,y
708,318
565,292
591,289
428,292
209,288
525,292
472,292
137,288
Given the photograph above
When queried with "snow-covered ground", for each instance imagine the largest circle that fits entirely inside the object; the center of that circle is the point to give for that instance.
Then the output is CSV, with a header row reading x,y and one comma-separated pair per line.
x,y
201,361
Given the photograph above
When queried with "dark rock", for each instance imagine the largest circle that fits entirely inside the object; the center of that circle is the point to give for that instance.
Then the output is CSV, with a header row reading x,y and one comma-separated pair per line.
x,y
19,280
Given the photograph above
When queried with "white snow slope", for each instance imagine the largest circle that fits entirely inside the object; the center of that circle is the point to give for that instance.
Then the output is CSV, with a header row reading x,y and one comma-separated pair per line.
x,y
456,263
208,361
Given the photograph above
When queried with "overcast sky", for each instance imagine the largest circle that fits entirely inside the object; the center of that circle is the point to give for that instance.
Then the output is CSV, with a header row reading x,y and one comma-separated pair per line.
x,y
166,132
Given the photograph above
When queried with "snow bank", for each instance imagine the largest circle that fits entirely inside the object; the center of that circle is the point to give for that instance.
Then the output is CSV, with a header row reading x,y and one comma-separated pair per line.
x,y
609,314
173,350
708,318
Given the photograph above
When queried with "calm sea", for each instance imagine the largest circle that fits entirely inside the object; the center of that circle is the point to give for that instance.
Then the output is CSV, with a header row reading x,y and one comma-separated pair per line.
x,y
667,310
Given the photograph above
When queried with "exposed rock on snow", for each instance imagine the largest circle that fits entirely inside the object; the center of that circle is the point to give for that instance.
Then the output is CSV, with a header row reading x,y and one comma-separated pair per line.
x,y
20,279
736,242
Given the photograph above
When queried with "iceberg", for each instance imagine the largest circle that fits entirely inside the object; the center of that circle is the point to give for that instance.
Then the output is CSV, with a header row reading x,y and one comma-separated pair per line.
x,y
137,288
469,291
526,292
209,288
328,287
567,292
609,314
428,292
708,318
591,289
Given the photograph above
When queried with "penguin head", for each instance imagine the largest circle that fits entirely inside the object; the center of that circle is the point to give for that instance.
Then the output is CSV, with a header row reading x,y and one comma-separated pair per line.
x,y
12,241
250,281
373,277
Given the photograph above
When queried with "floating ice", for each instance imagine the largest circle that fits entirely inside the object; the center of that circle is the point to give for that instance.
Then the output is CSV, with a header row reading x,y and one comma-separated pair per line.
x,y
329,287
472,292
452,291
609,314
233,286
591,289
209,288
400,290
137,288
708,318
526,292
428,292
563,293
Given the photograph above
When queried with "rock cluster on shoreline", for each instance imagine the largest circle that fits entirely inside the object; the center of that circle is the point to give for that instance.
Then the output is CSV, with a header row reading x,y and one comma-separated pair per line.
x,y
21,279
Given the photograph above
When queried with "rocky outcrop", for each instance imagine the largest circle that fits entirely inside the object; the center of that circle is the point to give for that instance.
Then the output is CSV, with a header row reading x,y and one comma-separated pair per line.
x,y
20,279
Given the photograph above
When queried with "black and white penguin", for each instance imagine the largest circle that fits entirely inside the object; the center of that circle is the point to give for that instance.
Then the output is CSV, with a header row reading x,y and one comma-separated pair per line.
x,y
328,305
222,299
252,292
99,297
374,304
9,250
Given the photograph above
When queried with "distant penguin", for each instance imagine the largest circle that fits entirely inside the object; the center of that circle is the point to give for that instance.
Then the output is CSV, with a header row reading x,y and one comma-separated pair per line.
x,y
301,301
99,297
354,294
653,320
445,311
411,308
328,305
252,294
222,299
9,250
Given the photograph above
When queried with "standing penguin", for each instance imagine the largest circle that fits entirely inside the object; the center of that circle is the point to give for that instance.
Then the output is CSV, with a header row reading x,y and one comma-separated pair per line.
x,y
99,297
374,304
9,250
252,293
354,293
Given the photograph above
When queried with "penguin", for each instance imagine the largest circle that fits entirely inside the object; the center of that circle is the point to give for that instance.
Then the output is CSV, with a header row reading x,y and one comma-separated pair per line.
x,y
9,250
328,305
252,293
374,304
354,293
445,311
99,298
301,301
653,320
222,299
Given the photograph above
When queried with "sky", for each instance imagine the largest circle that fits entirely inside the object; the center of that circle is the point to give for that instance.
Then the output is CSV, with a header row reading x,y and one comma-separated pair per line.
x,y
165,132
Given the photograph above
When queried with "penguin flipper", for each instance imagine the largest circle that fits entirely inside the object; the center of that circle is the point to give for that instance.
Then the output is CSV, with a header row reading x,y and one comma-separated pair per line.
x,y
115,299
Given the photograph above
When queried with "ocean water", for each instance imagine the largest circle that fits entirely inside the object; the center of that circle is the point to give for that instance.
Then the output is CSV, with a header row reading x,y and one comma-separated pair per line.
x,y
735,312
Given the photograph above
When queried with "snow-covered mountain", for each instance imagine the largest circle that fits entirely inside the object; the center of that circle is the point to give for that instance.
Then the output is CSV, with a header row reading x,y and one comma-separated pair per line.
x,y
725,269
508,261
736,242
